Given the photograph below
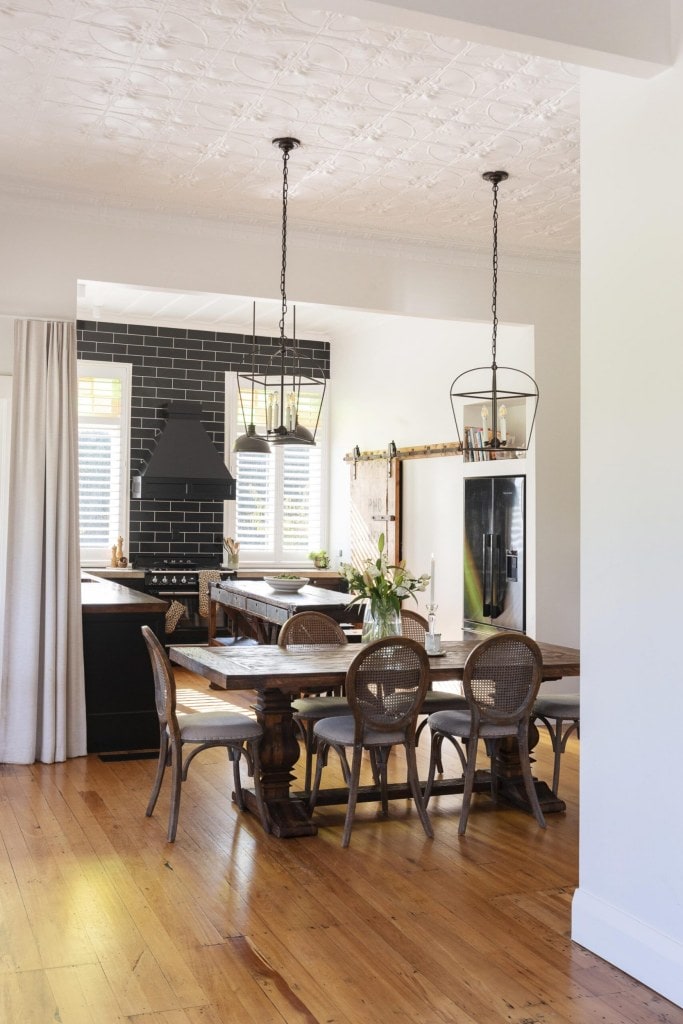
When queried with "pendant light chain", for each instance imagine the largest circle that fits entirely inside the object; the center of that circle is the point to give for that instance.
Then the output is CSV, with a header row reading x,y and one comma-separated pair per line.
x,y
283,270
494,297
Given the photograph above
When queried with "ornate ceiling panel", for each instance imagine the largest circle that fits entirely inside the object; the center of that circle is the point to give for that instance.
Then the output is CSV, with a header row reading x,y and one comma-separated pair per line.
x,y
171,106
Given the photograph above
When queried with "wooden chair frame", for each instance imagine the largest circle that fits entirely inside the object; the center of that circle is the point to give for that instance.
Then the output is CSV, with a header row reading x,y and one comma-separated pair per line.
x,y
240,742
492,715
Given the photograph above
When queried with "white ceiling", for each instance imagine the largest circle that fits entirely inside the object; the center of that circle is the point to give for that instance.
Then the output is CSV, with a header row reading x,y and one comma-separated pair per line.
x,y
171,106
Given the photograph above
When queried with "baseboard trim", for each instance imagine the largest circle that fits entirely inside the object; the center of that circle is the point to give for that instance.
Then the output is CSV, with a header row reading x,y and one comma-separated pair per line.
x,y
649,956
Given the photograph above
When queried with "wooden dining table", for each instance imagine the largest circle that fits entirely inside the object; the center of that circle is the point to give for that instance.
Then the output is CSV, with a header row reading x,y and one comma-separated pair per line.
x,y
278,675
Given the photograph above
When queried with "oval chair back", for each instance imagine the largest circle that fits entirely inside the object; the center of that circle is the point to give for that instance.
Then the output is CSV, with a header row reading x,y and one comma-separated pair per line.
x,y
386,684
501,679
164,684
310,630
414,625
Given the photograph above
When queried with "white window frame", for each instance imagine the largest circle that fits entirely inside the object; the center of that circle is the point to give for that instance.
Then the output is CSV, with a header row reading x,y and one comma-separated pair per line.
x,y
233,429
95,556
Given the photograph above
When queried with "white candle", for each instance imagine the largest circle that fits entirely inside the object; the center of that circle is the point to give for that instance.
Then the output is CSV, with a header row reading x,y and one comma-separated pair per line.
x,y
485,424
431,587
502,412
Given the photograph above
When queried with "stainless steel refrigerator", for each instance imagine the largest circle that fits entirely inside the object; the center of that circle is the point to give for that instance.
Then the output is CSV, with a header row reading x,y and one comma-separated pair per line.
x,y
494,553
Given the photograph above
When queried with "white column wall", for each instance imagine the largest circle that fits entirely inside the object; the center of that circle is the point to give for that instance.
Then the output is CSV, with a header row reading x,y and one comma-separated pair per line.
x,y
629,906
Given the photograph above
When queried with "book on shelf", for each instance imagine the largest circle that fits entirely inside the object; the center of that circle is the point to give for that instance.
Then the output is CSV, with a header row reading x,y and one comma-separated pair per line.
x,y
474,449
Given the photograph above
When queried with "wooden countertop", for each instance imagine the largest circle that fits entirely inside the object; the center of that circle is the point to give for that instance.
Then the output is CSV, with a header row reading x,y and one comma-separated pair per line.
x,y
110,573
104,596
130,573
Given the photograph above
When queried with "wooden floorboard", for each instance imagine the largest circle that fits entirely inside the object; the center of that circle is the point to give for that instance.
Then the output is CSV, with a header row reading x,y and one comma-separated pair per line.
x,y
103,922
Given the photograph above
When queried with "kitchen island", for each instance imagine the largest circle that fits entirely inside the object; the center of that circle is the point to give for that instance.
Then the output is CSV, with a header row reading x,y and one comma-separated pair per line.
x,y
119,685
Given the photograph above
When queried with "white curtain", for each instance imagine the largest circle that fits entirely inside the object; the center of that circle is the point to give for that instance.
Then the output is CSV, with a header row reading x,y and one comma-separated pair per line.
x,y
42,690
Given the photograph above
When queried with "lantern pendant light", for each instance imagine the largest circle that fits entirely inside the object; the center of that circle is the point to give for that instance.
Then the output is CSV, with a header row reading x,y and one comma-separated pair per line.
x,y
250,441
291,397
502,399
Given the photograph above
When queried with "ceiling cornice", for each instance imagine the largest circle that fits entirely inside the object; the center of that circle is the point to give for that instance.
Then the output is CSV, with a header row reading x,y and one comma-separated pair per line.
x,y
65,209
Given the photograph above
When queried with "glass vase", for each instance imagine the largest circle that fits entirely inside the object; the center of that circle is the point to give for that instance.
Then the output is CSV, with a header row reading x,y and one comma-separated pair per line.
x,y
380,620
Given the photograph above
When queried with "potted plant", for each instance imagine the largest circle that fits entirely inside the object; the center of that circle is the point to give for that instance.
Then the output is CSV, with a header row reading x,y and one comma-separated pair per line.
x,y
321,559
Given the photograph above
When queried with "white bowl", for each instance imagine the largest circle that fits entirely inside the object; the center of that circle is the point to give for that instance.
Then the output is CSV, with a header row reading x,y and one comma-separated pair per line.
x,y
285,586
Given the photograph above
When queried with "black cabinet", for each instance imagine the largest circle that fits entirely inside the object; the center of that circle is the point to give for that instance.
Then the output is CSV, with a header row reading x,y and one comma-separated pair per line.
x,y
119,684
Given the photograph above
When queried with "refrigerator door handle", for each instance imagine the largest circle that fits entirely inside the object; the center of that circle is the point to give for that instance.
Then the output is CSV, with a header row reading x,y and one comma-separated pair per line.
x,y
487,539
495,575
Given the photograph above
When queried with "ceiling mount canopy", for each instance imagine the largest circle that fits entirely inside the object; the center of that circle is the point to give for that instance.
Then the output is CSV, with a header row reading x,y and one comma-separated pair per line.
x,y
496,403
288,397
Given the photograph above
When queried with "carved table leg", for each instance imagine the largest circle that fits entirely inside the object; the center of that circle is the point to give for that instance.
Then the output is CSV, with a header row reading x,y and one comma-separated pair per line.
x,y
279,753
511,783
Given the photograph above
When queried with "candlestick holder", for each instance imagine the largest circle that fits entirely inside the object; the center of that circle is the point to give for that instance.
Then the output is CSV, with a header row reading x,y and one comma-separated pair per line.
x,y
431,616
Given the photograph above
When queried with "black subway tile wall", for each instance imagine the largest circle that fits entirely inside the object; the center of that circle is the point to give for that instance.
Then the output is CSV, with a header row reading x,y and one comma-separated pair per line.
x,y
172,364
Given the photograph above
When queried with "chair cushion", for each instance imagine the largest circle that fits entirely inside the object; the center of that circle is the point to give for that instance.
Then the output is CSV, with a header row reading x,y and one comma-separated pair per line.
x,y
341,730
319,707
558,705
205,726
458,723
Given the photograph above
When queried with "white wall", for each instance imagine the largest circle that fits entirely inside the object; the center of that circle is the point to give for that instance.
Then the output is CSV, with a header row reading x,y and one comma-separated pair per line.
x,y
46,249
392,378
629,907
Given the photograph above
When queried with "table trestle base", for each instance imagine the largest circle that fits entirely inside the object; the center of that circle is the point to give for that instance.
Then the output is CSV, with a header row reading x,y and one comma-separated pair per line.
x,y
289,818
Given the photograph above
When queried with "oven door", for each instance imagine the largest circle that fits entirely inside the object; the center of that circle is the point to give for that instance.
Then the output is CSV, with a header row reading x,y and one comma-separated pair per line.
x,y
184,624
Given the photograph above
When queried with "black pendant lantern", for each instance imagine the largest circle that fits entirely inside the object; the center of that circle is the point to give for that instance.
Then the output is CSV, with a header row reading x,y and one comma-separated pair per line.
x,y
291,397
250,441
497,404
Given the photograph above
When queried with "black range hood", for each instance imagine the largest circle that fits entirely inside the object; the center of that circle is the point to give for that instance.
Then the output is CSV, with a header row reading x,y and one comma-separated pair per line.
x,y
184,463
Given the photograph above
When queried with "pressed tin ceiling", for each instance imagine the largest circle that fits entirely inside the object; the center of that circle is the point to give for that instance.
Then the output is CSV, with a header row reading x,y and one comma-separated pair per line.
x,y
171,106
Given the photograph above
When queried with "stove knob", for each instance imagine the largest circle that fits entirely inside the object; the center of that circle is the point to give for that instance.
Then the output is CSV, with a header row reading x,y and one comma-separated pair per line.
x,y
154,579
183,580
173,579
164,579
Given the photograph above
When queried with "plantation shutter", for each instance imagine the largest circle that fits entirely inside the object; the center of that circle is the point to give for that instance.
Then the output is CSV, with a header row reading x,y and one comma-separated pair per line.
x,y
103,438
278,512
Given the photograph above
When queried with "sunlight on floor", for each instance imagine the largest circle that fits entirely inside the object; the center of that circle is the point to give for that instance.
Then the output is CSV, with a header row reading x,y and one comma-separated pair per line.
x,y
190,700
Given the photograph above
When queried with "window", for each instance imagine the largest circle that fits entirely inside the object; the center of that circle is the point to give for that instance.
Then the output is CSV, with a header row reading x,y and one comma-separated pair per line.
x,y
103,456
280,514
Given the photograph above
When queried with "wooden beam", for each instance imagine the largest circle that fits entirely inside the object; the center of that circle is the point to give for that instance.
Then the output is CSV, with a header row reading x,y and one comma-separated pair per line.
x,y
416,451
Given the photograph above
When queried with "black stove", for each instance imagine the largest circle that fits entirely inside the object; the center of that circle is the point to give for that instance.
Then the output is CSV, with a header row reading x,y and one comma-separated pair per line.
x,y
173,576
163,562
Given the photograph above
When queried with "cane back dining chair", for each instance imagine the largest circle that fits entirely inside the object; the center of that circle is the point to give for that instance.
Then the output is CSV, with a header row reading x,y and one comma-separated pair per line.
x,y
238,733
561,715
501,678
416,626
385,687
311,631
